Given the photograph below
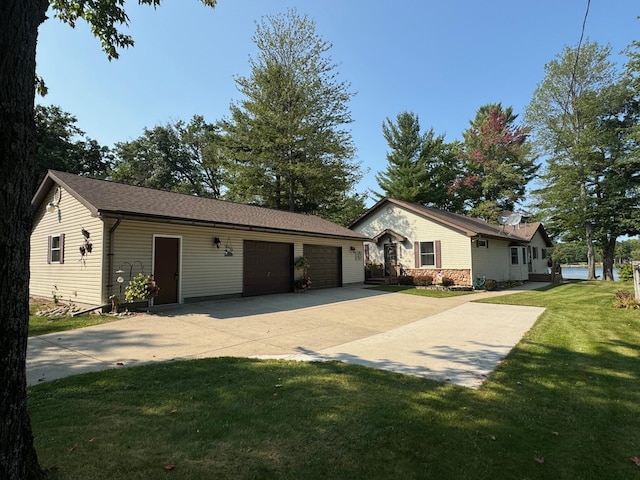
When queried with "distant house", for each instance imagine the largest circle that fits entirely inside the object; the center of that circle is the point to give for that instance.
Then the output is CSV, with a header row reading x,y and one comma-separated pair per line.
x,y
422,240
88,234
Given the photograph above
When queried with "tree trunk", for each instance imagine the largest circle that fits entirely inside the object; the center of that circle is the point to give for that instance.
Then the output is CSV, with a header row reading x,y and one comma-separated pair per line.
x,y
19,21
591,256
608,258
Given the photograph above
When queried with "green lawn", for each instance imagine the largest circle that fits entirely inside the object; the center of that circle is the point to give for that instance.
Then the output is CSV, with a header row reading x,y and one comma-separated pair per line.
x,y
565,404
42,325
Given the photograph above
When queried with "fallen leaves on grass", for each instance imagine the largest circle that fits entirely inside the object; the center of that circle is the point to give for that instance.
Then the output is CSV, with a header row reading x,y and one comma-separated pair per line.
x,y
538,459
170,466
636,460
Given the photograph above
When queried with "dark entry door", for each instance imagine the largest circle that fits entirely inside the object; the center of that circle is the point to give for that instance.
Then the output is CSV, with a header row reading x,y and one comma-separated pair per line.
x,y
390,259
166,269
268,267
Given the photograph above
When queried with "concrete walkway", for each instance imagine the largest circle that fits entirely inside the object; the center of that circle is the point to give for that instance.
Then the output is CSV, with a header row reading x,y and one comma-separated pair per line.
x,y
446,339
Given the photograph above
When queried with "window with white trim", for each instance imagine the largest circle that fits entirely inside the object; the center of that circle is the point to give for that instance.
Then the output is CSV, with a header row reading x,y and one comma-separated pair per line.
x,y
427,254
514,256
55,252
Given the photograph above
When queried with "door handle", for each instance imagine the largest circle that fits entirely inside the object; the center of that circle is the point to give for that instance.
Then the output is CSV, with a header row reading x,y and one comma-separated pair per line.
x,y
175,276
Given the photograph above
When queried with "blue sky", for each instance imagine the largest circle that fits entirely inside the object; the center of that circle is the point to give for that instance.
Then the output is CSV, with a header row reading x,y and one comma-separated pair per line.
x,y
441,60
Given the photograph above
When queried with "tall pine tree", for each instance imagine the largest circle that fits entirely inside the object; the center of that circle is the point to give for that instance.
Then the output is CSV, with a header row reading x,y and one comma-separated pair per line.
x,y
286,140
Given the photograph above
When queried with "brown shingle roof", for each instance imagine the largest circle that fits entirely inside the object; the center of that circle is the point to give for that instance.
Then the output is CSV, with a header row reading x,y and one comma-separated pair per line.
x,y
110,199
469,226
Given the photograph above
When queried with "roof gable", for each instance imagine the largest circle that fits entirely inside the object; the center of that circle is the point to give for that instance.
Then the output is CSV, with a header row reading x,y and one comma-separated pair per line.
x,y
110,199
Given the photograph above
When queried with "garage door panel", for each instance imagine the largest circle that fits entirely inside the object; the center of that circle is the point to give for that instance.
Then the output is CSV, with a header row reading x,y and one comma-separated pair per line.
x,y
325,265
267,267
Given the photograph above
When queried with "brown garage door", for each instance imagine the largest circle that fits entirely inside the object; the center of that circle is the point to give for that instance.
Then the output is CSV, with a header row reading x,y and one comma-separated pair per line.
x,y
268,267
325,265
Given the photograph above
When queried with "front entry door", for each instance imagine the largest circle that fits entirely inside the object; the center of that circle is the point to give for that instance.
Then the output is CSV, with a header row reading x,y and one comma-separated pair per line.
x,y
390,259
166,269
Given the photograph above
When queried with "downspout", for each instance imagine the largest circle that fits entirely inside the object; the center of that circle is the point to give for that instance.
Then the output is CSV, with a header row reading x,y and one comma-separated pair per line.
x,y
112,232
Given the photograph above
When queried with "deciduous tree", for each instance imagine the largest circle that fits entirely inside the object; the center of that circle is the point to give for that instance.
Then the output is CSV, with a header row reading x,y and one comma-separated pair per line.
x,y
62,145
181,157
19,23
584,114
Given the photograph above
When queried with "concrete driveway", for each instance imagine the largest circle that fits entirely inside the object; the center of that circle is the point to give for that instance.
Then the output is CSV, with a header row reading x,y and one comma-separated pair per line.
x,y
445,339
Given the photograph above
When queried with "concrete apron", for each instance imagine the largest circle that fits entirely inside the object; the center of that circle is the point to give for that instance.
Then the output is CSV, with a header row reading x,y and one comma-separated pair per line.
x,y
444,339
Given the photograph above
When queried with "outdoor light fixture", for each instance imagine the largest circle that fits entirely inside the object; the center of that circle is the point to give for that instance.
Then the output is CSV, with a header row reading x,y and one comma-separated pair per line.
x,y
216,241
51,206
352,248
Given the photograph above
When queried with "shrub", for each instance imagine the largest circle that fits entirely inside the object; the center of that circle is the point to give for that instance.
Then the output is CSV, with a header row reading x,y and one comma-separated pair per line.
x,y
405,280
423,281
625,299
625,271
447,282
141,287
490,285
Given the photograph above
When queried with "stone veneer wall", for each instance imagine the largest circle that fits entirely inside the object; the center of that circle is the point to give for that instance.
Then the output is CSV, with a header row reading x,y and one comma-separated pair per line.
x,y
459,277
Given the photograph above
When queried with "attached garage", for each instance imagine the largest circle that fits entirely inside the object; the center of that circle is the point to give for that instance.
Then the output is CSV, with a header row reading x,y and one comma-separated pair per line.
x,y
268,267
326,265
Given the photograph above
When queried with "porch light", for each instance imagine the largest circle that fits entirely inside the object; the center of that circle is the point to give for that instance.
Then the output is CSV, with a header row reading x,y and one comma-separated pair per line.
x,y
216,242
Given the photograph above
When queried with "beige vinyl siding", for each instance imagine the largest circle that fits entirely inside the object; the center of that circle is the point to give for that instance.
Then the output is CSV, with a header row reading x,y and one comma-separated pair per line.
x,y
78,281
539,265
455,247
205,270
494,262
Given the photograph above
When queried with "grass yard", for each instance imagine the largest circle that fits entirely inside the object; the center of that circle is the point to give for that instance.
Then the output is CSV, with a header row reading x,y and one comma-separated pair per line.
x,y
565,404
43,325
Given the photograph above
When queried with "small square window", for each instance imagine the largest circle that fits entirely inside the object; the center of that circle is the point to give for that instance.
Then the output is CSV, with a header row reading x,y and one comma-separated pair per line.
x,y
482,243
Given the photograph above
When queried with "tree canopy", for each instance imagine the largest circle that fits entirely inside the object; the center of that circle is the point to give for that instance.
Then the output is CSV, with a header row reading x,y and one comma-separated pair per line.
x,y
286,141
420,165
181,157
584,117
62,145
497,162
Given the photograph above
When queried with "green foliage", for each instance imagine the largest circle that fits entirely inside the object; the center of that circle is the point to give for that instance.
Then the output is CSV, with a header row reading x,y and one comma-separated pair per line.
x,y
287,139
625,299
585,114
421,166
62,145
498,163
423,280
141,287
625,271
105,18
405,280
181,157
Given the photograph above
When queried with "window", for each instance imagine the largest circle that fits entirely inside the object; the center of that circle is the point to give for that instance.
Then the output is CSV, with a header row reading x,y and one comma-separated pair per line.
x,y
514,256
55,252
544,253
482,243
427,254
534,251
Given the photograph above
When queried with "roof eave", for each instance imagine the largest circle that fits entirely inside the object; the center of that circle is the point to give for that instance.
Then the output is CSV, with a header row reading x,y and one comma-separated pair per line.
x,y
230,226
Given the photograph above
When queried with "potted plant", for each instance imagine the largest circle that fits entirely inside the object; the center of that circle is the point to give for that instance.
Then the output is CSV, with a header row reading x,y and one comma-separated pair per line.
x,y
302,284
141,287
